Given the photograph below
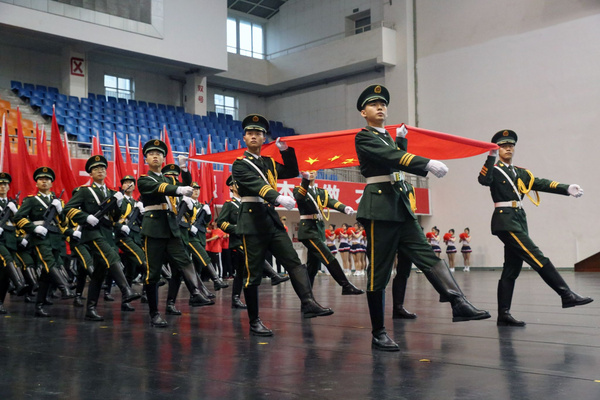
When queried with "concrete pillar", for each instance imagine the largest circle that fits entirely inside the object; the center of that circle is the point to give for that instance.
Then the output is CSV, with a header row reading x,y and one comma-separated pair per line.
x,y
74,73
195,101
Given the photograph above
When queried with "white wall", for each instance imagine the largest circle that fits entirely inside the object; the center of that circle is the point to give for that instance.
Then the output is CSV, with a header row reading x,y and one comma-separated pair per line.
x,y
533,67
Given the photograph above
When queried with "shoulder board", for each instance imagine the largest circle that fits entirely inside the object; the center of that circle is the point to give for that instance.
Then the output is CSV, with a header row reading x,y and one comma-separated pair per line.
x,y
240,157
32,195
143,175
227,201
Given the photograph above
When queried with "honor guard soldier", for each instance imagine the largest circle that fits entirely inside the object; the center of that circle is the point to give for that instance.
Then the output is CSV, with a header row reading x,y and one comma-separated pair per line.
x,y
311,232
259,224
160,232
508,185
8,244
92,208
390,224
44,235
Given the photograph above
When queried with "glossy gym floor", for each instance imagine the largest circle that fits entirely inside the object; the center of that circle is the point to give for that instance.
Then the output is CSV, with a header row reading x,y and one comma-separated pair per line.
x,y
207,352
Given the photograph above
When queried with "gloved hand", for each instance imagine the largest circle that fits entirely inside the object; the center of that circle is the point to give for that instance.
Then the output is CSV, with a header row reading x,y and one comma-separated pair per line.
x,y
194,230
401,131
286,201
575,190
305,175
40,230
437,168
182,161
119,196
493,153
1,231
185,190
91,220
58,205
349,210
77,234
281,145
189,202
125,229
206,209
24,243
12,207
140,206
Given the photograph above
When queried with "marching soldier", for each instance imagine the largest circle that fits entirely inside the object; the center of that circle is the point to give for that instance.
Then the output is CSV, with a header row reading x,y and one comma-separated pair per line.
x,y
91,208
8,245
259,224
386,213
508,185
311,232
47,242
160,231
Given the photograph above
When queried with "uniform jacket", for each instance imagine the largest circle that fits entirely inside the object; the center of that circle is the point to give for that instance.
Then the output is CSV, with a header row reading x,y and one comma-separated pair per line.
x,y
82,204
258,217
308,200
32,210
378,154
9,236
509,219
227,221
156,190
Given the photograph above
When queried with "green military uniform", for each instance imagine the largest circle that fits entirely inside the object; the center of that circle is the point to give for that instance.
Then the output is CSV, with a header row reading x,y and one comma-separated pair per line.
x,y
99,238
260,227
385,211
131,244
311,232
81,254
508,186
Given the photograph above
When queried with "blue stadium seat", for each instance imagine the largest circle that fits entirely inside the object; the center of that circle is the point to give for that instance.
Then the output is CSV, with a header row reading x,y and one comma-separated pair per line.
x,y
122,100
145,137
152,105
97,125
132,128
132,103
85,122
25,93
121,137
106,139
141,122
29,86
60,120
50,96
15,86
73,99
121,127
142,104
36,102
83,138
161,107
119,119
111,99
71,128
143,131
91,96
87,103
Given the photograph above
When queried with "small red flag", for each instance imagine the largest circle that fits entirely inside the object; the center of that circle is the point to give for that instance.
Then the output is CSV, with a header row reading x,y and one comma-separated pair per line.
x,y
169,159
23,176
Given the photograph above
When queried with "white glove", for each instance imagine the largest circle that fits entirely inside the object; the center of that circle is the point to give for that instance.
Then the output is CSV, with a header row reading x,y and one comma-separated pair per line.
x,y
188,201
11,206
77,234
58,205
185,190
206,209
40,230
119,196
91,220
1,231
286,201
401,132
575,190
140,206
182,161
493,153
349,210
125,229
305,175
24,242
438,168
193,229
281,145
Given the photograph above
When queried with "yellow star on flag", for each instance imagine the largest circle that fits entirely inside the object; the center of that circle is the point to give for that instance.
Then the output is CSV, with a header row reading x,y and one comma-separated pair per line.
x,y
349,161
311,160
334,158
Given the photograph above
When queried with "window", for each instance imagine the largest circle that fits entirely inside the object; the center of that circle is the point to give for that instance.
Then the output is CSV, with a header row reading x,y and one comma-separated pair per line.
x,y
358,22
362,25
245,38
118,87
226,105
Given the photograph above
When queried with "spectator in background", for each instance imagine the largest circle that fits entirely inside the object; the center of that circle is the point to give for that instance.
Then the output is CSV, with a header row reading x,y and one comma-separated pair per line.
x,y
465,239
214,237
433,238
226,257
344,248
449,240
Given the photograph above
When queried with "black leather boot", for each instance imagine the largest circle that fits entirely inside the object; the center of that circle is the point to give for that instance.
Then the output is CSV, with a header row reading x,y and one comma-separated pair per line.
x,y
16,278
442,280
108,296
59,280
301,284
506,288
190,278
276,279
31,278
204,290
92,301
171,309
40,300
40,312
78,301
236,302
128,295
127,307
257,328
398,294
337,273
381,340
157,321
569,298
218,282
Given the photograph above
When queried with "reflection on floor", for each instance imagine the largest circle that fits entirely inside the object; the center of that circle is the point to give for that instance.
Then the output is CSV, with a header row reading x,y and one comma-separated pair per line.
x,y
208,354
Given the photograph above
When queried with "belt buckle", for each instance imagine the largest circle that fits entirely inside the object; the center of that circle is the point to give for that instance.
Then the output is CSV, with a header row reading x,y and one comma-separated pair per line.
x,y
514,204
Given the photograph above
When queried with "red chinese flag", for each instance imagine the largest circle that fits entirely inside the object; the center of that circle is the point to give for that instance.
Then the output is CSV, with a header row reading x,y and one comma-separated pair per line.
x,y
96,148
193,166
120,169
169,159
225,195
7,156
60,163
23,176
141,164
129,168
42,148
336,149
